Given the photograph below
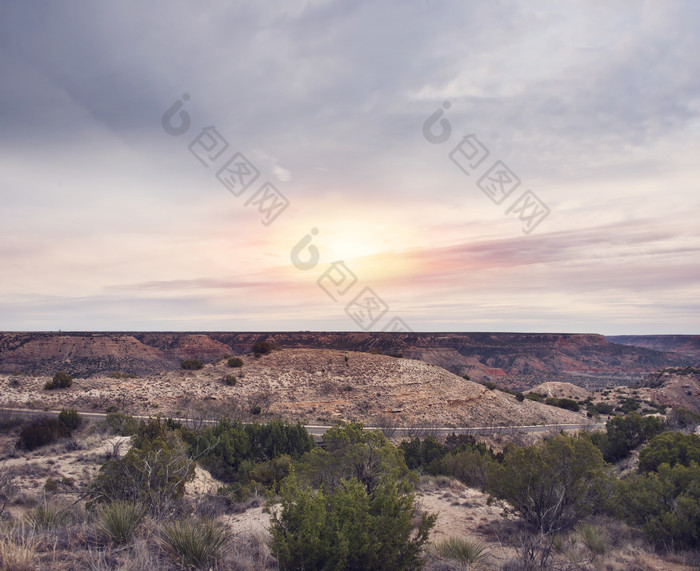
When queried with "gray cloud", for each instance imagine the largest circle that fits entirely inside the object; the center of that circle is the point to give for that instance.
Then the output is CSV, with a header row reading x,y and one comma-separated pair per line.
x,y
331,96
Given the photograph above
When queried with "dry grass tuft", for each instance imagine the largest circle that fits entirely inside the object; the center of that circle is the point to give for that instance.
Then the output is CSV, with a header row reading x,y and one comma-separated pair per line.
x,y
18,549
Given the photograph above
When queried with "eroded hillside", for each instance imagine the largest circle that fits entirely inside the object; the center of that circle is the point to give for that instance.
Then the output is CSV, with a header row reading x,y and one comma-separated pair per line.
x,y
313,385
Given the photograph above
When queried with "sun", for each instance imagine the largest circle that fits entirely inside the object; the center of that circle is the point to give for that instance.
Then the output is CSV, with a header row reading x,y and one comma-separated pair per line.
x,y
344,244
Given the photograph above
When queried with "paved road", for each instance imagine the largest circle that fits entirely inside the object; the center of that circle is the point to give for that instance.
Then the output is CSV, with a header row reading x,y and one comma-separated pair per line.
x,y
319,430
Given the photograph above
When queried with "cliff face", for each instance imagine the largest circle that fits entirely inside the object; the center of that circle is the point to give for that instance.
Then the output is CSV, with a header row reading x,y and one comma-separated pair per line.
x,y
517,360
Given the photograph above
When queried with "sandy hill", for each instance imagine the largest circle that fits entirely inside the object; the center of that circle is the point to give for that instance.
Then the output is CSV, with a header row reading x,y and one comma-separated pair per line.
x,y
561,390
314,385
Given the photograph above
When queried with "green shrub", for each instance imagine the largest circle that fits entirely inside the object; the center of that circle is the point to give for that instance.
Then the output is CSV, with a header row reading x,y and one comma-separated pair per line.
x,y
625,433
120,375
234,362
567,404
468,466
40,433
230,380
196,543
62,380
231,449
490,386
350,451
464,551
551,484
153,473
49,386
461,457
272,472
70,418
665,504
628,405
603,408
537,397
119,520
151,430
520,397
670,448
191,364
262,348
347,527
421,453
122,424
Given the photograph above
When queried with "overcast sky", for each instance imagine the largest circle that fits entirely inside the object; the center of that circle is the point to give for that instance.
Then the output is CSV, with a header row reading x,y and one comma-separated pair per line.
x,y
395,130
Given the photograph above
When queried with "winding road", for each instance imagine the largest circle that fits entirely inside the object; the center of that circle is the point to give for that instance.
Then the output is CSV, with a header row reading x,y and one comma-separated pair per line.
x,y
318,430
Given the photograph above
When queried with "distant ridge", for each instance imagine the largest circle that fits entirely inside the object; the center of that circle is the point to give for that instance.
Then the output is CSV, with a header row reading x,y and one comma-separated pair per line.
x,y
688,345
516,360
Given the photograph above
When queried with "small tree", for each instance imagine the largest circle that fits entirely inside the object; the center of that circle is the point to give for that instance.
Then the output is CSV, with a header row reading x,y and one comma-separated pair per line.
x,y
154,474
551,485
234,362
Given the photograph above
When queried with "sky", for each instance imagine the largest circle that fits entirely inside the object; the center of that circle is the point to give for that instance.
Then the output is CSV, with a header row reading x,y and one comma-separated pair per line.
x,y
350,165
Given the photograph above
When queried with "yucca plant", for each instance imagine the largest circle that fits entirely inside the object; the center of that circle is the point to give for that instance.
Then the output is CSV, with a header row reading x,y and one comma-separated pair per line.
x,y
462,550
594,539
195,542
119,520
47,516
